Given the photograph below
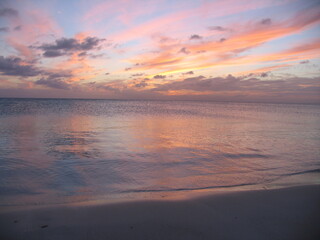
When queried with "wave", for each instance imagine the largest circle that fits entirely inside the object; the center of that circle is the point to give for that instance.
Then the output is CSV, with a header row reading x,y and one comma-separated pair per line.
x,y
186,188
302,172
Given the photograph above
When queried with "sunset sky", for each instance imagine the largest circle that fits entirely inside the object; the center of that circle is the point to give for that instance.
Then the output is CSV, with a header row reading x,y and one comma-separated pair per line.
x,y
221,50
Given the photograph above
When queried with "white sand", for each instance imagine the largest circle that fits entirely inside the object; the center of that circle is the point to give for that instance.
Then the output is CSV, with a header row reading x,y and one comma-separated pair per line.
x,y
288,213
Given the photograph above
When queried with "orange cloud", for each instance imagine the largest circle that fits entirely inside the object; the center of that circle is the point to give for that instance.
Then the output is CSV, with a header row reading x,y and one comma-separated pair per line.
x,y
216,53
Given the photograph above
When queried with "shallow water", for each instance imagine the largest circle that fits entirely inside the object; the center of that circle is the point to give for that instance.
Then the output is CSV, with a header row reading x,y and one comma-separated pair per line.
x,y
62,151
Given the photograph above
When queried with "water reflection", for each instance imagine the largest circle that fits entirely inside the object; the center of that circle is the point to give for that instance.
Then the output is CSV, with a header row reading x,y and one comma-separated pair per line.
x,y
93,150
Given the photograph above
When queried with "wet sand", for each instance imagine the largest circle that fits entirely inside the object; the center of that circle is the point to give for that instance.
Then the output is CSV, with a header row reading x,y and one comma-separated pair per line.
x,y
287,213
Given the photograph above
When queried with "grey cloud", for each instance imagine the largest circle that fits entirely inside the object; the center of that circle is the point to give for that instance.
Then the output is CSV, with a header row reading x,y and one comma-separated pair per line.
x,y
195,37
265,21
8,12
159,77
96,55
184,50
53,83
59,75
55,80
186,73
4,29
82,54
218,28
109,88
65,46
239,85
141,84
137,75
53,53
18,28
12,66
85,54
305,62
264,74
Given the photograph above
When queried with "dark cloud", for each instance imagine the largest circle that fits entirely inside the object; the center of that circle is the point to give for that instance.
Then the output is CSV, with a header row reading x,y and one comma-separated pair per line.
x,y
127,69
85,54
8,12
195,37
184,50
218,28
186,73
18,28
96,55
71,44
107,73
137,75
141,84
159,77
264,74
305,62
222,40
109,88
65,46
265,21
55,80
14,66
59,75
53,83
281,88
4,29
82,54
53,53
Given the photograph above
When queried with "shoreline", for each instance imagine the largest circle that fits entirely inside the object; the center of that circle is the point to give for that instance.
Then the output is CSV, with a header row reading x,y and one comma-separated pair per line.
x,y
296,180
281,213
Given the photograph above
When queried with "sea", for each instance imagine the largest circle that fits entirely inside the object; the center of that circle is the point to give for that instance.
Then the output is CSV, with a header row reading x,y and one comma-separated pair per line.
x,y
65,151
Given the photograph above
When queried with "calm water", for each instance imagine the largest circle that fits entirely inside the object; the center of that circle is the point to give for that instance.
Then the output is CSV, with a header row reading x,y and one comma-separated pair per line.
x,y
58,151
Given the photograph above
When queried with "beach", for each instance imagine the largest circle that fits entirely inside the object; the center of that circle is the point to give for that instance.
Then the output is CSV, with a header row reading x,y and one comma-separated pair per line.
x,y
286,213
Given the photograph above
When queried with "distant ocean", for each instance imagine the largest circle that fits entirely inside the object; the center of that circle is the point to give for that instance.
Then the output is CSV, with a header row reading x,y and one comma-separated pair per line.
x,y
63,151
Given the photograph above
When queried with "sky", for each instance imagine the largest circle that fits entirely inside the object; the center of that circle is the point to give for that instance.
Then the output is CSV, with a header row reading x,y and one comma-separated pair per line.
x,y
210,50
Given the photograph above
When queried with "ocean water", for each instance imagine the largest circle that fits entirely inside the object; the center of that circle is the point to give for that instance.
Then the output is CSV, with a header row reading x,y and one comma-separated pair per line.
x,y
64,151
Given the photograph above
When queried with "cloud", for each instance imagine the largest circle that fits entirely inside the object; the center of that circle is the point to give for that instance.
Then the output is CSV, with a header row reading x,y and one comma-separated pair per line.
x,y
55,80
4,29
18,28
265,21
137,75
218,28
53,53
184,50
237,85
14,66
159,77
66,46
186,73
53,83
195,37
305,62
141,84
8,12
264,74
